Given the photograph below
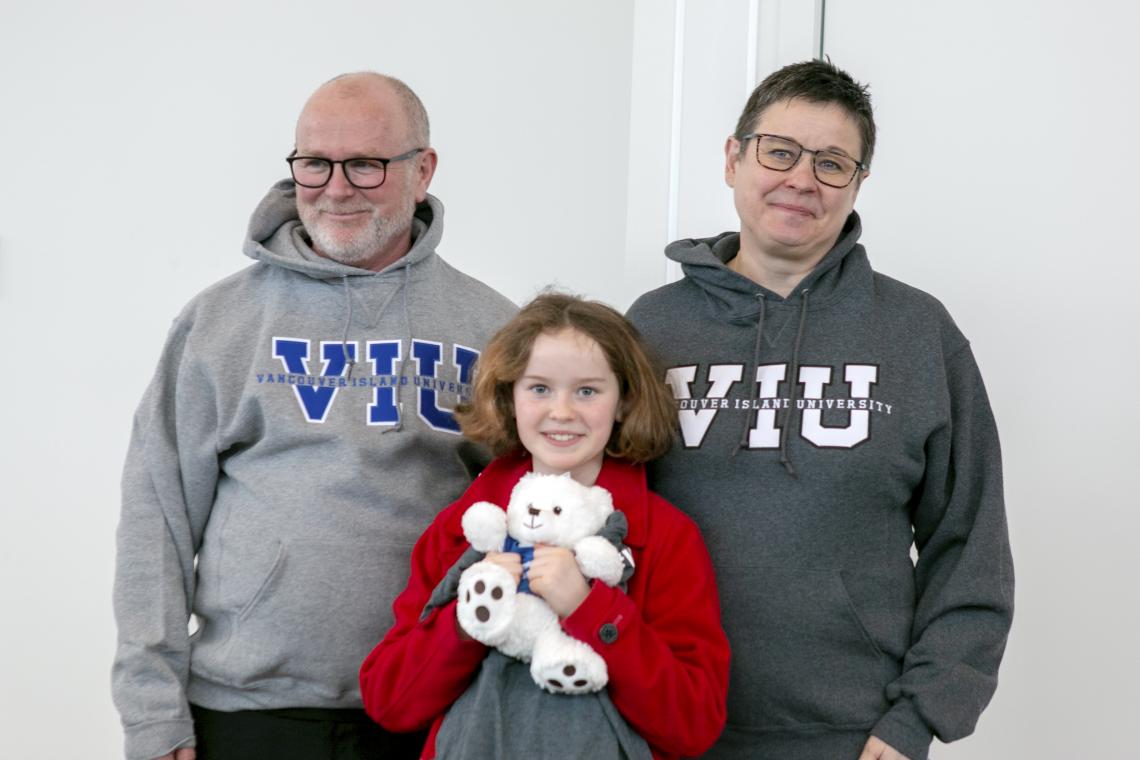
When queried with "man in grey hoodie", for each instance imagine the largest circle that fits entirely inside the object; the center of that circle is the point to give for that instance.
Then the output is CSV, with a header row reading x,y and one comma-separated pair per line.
x,y
831,417
295,441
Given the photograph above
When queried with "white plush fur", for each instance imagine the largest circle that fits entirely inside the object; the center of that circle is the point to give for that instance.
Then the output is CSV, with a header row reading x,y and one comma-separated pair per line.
x,y
485,526
547,509
597,558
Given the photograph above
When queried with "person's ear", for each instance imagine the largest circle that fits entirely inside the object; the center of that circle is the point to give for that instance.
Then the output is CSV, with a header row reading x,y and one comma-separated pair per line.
x,y
731,159
425,170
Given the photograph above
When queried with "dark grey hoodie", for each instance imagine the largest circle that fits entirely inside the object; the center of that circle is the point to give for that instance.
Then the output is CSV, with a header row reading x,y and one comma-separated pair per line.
x,y
274,491
809,495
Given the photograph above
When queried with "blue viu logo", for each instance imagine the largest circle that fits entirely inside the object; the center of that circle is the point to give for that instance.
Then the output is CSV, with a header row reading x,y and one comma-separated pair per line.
x,y
384,359
315,401
428,358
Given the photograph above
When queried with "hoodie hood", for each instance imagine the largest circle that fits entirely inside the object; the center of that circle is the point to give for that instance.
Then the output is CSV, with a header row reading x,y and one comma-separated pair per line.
x,y
276,236
736,299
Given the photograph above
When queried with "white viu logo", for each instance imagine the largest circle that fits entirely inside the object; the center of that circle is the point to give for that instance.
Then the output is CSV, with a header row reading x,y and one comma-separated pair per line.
x,y
696,415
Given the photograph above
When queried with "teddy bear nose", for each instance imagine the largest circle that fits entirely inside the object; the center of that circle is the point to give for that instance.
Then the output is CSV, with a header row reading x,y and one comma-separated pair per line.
x,y
533,511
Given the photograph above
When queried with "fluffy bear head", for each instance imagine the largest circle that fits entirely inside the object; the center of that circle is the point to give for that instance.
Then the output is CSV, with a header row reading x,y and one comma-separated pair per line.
x,y
556,510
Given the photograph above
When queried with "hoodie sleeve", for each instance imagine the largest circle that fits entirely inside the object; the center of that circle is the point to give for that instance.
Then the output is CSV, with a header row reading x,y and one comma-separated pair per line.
x,y
167,493
963,578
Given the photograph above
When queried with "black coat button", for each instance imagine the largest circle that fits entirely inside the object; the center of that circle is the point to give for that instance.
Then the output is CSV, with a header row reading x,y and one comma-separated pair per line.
x,y
608,633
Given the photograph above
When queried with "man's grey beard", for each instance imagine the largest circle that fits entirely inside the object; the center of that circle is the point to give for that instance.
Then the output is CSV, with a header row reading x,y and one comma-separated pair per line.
x,y
366,243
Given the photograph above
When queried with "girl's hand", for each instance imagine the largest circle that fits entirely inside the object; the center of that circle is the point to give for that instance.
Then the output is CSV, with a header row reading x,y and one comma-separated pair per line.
x,y
509,561
554,576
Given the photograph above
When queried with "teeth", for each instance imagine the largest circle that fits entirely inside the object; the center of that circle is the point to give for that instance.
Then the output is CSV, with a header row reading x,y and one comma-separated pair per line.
x,y
561,437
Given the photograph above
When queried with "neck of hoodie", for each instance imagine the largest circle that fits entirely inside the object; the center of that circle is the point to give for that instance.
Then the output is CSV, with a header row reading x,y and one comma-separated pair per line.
x,y
778,274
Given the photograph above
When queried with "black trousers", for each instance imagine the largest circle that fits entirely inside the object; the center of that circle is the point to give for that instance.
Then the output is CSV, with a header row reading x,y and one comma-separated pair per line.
x,y
299,734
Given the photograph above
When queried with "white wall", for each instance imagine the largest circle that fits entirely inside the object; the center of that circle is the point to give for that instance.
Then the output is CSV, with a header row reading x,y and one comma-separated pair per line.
x,y
559,134
1001,184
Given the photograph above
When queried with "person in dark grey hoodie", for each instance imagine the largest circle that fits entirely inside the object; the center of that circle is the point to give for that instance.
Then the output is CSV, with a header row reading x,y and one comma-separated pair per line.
x,y
831,418
294,443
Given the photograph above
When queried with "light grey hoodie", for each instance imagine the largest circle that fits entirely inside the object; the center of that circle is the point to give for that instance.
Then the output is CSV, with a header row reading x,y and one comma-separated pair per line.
x,y
810,493
275,491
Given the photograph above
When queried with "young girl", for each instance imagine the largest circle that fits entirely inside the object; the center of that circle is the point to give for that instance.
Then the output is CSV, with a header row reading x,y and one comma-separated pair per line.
x,y
564,387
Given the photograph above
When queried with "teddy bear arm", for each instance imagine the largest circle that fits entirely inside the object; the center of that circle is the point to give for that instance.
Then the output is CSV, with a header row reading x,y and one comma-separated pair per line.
x,y
598,558
485,526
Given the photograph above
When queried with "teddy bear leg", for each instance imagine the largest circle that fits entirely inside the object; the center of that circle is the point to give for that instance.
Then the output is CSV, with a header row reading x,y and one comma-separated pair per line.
x,y
533,617
486,604
564,665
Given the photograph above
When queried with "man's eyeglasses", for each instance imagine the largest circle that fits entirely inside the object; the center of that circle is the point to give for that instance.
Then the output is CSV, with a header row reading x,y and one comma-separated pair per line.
x,y
832,168
363,173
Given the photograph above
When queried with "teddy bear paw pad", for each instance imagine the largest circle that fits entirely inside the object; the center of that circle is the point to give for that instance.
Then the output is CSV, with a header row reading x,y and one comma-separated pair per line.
x,y
486,602
569,678
569,671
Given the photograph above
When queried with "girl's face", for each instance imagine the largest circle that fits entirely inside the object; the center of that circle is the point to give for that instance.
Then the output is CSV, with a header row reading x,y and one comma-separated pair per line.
x,y
566,403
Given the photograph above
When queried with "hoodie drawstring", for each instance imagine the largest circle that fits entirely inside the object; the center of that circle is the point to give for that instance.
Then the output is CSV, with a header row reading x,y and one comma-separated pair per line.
x,y
403,360
348,358
795,385
351,362
793,381
753,381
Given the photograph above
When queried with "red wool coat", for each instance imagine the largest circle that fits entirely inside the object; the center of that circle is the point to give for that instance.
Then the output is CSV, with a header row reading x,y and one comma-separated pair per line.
x,y
668,663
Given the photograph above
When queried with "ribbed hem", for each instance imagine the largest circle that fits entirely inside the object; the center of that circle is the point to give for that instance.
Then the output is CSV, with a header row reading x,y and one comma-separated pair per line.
x,y
217,696
904,729
788,745
150,740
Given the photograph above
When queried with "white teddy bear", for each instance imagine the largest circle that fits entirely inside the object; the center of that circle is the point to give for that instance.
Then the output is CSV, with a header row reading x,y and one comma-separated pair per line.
x,y
547,509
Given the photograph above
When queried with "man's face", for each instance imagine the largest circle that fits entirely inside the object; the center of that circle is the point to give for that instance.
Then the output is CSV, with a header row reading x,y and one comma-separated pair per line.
x,y
791,215
364,228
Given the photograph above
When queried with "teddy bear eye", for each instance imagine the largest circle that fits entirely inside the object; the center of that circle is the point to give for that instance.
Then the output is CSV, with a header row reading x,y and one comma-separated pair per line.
x,y
558,510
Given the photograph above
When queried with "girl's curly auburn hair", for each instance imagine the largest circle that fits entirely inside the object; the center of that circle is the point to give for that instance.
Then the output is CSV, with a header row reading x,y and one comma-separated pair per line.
x,y
648,416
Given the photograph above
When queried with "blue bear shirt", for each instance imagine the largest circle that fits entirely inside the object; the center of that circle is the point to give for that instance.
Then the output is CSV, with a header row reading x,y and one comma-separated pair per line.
x,y
527,554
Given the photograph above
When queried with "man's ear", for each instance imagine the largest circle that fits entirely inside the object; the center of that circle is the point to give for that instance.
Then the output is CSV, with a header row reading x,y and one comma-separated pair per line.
x,y
425,168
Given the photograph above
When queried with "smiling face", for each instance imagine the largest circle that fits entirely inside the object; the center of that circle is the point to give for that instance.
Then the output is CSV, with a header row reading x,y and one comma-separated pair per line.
x,y
790,219
352,117
566,403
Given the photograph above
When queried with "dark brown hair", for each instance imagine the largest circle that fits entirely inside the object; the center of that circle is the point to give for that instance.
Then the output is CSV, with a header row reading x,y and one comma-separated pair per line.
x,y
648,416
816,82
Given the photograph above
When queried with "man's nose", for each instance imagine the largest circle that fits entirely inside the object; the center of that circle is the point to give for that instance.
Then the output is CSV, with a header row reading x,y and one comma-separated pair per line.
x,y
338,185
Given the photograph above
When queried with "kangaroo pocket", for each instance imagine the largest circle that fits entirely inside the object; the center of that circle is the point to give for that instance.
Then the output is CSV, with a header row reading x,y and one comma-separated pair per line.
x,y
802,657
318,609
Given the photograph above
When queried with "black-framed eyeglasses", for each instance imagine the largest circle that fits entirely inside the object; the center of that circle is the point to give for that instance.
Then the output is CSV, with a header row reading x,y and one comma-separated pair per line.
x,y
831,167
362,172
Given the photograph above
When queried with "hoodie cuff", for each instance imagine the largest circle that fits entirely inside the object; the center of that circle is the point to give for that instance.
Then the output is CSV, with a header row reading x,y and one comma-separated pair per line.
x,y
151,740
905,730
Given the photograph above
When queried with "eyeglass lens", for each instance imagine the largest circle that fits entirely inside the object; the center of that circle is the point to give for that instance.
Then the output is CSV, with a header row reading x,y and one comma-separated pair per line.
x,y
361,172
831,168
